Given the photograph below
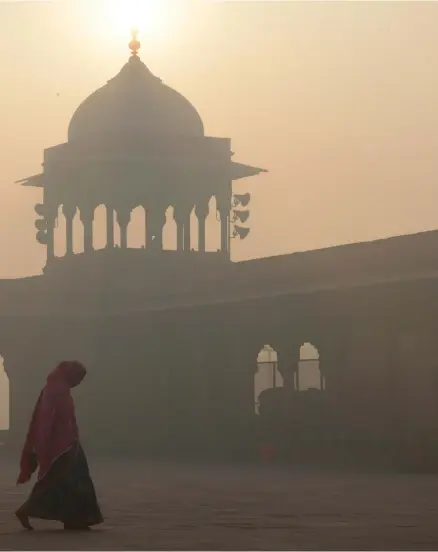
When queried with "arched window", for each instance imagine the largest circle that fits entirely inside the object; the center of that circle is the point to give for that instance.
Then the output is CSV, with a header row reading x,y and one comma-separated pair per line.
x,y
99,228
267,375
213,227
78,233
137,229
309,375
170,231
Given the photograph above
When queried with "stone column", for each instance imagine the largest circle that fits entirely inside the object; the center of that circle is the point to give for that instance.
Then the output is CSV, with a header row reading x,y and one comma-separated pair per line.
x,y
69,213
179,236
224,207
187,233
124,218
201,213
148,229
225,229
51,218
87,216
109,227
147,243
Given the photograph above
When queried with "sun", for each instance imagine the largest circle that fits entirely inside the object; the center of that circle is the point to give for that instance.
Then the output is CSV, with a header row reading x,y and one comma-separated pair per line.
x,y
153,18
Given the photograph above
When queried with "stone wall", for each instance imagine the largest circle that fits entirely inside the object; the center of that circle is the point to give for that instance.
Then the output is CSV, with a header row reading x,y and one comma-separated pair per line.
x,y
183,379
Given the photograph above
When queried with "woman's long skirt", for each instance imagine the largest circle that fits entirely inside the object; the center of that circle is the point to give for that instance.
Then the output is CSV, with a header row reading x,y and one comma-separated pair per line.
x,y
66,493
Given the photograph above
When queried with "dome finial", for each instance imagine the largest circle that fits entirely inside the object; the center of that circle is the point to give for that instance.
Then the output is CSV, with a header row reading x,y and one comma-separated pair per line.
x,y
135,44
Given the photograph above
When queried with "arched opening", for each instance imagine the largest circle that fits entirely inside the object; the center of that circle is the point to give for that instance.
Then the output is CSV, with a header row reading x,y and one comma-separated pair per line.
x,y
4,397
213,227
78,233
137,229
117,237
267,375
309,376
99,227
169,231
60,237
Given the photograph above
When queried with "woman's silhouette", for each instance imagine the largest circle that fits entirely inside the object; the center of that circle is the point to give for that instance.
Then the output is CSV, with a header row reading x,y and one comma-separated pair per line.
x,y
64,491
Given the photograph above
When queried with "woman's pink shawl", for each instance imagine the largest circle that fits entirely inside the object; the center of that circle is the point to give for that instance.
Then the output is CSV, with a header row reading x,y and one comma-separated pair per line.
x,y
53,428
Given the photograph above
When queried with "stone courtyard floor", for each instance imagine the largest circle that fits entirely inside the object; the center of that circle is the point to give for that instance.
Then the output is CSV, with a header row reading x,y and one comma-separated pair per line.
x,y
159,508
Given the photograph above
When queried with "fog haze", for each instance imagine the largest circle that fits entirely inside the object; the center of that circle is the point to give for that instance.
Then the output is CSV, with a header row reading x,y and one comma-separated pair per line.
x,y
337,100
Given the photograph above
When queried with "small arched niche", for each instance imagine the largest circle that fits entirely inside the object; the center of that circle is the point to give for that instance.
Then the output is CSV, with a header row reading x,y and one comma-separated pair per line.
x,y
267,375
170,230
213,227
99,227
309,374
137,228
78,233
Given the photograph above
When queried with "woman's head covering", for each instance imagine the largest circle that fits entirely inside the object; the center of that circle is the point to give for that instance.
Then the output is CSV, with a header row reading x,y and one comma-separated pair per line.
x,y
68,372
53,429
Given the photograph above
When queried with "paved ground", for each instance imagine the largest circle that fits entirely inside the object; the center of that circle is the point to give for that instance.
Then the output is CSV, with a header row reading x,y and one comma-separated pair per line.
x,y
149,507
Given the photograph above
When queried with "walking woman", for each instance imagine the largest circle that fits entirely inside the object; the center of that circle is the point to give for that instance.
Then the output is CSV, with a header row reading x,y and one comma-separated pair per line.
x,y
64,490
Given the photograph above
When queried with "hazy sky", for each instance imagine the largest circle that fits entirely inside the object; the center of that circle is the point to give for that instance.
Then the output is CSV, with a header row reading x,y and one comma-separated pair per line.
x,y
338,100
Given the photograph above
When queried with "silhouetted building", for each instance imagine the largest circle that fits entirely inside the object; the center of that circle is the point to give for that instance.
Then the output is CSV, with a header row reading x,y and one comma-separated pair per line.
x,y
171,338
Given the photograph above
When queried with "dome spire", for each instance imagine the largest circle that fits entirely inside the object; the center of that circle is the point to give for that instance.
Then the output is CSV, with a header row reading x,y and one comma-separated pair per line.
x,y
134,44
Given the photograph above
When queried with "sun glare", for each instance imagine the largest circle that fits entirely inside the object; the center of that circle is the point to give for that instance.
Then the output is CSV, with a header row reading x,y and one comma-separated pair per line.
x,y
153,18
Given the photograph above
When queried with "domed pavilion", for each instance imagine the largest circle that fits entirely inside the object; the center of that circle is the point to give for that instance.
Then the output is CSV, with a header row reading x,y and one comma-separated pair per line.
x,y
137,142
